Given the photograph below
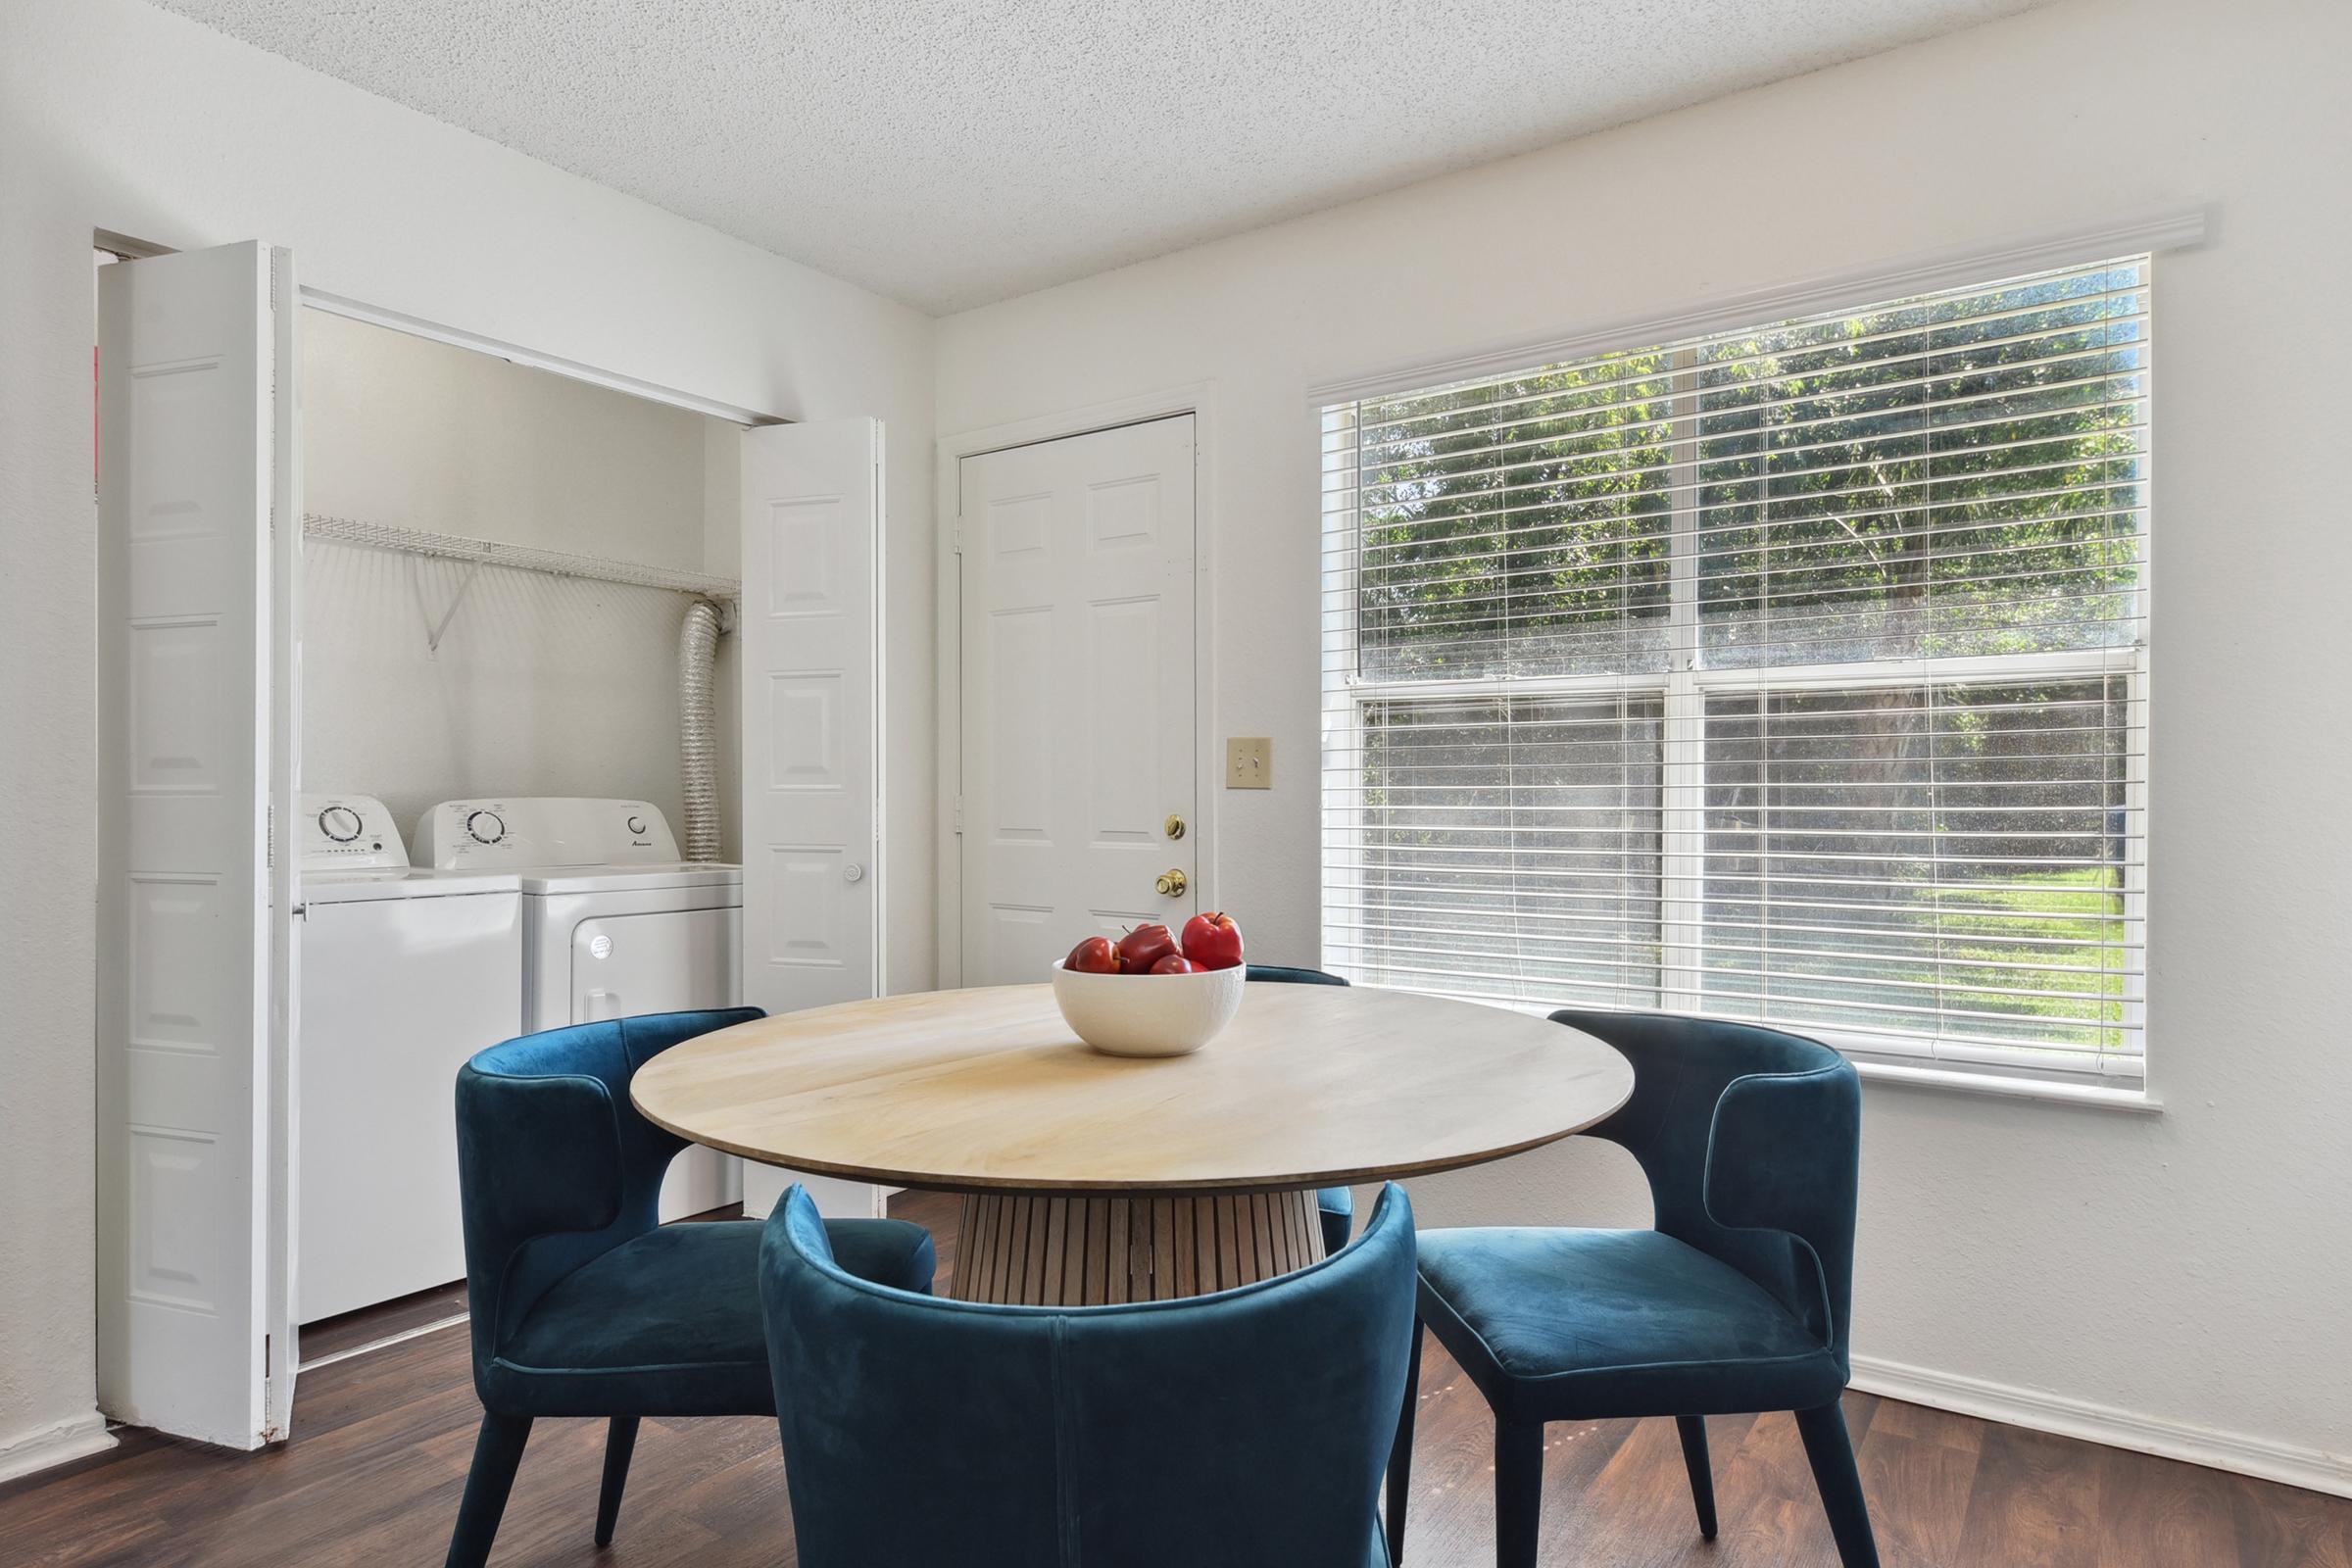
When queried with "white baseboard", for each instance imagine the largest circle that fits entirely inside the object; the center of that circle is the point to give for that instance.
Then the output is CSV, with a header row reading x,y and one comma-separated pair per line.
x,y
59,1443
2314,1469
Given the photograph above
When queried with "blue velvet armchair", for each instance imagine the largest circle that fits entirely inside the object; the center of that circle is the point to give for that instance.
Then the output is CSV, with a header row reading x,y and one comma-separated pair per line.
x,y
580,1304
1334,1206
1734,1301
1246,1429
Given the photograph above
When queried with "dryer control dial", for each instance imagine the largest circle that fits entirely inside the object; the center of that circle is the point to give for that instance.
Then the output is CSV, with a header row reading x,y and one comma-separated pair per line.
x,y
484,827
340,823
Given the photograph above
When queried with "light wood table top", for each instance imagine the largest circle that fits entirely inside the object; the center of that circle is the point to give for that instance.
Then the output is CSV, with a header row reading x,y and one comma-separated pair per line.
x,y
989,1091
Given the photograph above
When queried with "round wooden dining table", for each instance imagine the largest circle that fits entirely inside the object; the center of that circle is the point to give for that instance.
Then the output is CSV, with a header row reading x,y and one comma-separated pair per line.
x,y
1089,1177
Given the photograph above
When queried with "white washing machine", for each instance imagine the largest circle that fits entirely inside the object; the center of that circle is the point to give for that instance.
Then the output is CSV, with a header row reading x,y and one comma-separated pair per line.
x,y
405,974
614,925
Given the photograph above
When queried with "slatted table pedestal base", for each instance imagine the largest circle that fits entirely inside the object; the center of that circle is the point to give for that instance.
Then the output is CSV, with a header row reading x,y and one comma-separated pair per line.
x,y
1065,1249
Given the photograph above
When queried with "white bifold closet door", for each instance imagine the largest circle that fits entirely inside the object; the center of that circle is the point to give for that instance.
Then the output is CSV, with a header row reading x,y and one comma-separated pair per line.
x,y
198,535
811,638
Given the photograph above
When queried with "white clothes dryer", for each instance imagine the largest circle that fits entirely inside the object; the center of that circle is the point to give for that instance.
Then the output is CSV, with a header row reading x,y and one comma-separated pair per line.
x,y
614,925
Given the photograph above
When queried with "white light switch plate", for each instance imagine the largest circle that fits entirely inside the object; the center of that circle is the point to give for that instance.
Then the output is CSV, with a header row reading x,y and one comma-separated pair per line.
x,y
1249,763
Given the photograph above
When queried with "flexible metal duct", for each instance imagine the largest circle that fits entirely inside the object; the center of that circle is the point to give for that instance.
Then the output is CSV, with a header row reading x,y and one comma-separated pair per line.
x,y
698,726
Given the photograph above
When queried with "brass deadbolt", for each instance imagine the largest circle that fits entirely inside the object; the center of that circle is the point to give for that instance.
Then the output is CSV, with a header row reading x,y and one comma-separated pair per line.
x,y
1173,826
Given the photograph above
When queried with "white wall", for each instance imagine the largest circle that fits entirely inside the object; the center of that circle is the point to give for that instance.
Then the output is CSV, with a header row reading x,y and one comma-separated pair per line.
x,y
115,116
540,685
2190,1268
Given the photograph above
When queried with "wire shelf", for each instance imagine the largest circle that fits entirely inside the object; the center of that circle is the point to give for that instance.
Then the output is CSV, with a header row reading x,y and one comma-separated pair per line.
x,y
492,552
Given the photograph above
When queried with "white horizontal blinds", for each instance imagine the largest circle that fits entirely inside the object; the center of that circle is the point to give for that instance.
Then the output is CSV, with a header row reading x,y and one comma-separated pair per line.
x,y
1946,862
1794,673
1508,847
1518,527
1502,844
1951,475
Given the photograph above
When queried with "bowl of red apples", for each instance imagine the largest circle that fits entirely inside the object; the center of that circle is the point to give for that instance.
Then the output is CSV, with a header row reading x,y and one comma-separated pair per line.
x,y
1149,993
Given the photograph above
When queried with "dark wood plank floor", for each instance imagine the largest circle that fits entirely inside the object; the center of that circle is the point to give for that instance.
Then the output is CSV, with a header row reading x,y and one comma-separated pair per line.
x,y
382,1440
352,1331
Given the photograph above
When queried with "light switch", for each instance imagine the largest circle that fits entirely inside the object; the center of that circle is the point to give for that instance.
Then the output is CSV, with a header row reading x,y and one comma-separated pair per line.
x,y
1249,763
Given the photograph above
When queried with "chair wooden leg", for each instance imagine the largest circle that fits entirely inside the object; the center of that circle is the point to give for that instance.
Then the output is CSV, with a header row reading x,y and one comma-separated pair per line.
x,y
1400,1455
1518,1491
1694,1429
497,1453
1832,1451
619,1443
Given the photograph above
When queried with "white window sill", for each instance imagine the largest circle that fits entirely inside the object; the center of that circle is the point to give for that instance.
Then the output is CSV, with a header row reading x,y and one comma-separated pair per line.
x,y
2134,1102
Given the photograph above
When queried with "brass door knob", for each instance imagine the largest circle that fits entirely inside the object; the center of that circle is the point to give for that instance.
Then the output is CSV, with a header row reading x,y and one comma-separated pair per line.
x,y
1172,883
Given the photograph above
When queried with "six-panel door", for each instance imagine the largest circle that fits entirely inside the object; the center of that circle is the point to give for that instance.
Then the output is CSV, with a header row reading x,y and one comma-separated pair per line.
x,y
1078,692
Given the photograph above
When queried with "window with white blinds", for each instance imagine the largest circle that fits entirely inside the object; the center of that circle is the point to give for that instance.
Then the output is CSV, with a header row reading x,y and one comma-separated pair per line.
x,y
1794,675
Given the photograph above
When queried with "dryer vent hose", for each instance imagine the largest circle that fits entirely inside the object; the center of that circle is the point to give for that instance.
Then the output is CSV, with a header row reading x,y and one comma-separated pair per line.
x,y
698,727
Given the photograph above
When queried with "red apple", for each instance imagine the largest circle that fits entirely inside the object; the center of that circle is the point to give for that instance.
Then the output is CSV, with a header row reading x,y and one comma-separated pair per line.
x,y
1212,941
1175,963
1146,945
1093,955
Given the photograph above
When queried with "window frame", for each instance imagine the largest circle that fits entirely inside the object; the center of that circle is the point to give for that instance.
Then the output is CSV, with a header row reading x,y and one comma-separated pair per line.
x,y
1685,686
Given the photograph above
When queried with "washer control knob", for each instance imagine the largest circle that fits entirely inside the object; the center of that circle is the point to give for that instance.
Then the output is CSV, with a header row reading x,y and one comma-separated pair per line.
x,y
636,827
484,827
340,823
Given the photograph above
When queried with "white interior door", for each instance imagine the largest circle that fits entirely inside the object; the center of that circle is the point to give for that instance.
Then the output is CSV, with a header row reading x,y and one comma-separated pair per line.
x,y
810,636
1079,729
197,529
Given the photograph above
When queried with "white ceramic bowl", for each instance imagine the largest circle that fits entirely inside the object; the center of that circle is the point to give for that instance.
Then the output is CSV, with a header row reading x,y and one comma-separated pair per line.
x,y
1148,1014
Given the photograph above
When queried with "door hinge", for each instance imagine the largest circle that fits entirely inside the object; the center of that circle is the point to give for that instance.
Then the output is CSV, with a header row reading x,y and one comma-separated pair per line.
x,y
959,820
956,538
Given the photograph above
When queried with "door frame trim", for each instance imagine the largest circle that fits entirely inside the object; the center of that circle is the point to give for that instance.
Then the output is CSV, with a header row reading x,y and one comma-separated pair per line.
x,y
130,248
1198,399
534,360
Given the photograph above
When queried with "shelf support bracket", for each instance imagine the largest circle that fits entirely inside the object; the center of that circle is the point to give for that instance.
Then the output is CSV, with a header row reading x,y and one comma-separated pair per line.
x,y
435,630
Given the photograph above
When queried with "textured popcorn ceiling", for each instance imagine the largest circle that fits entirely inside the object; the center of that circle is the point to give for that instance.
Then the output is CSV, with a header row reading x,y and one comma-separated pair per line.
x,y
951,152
